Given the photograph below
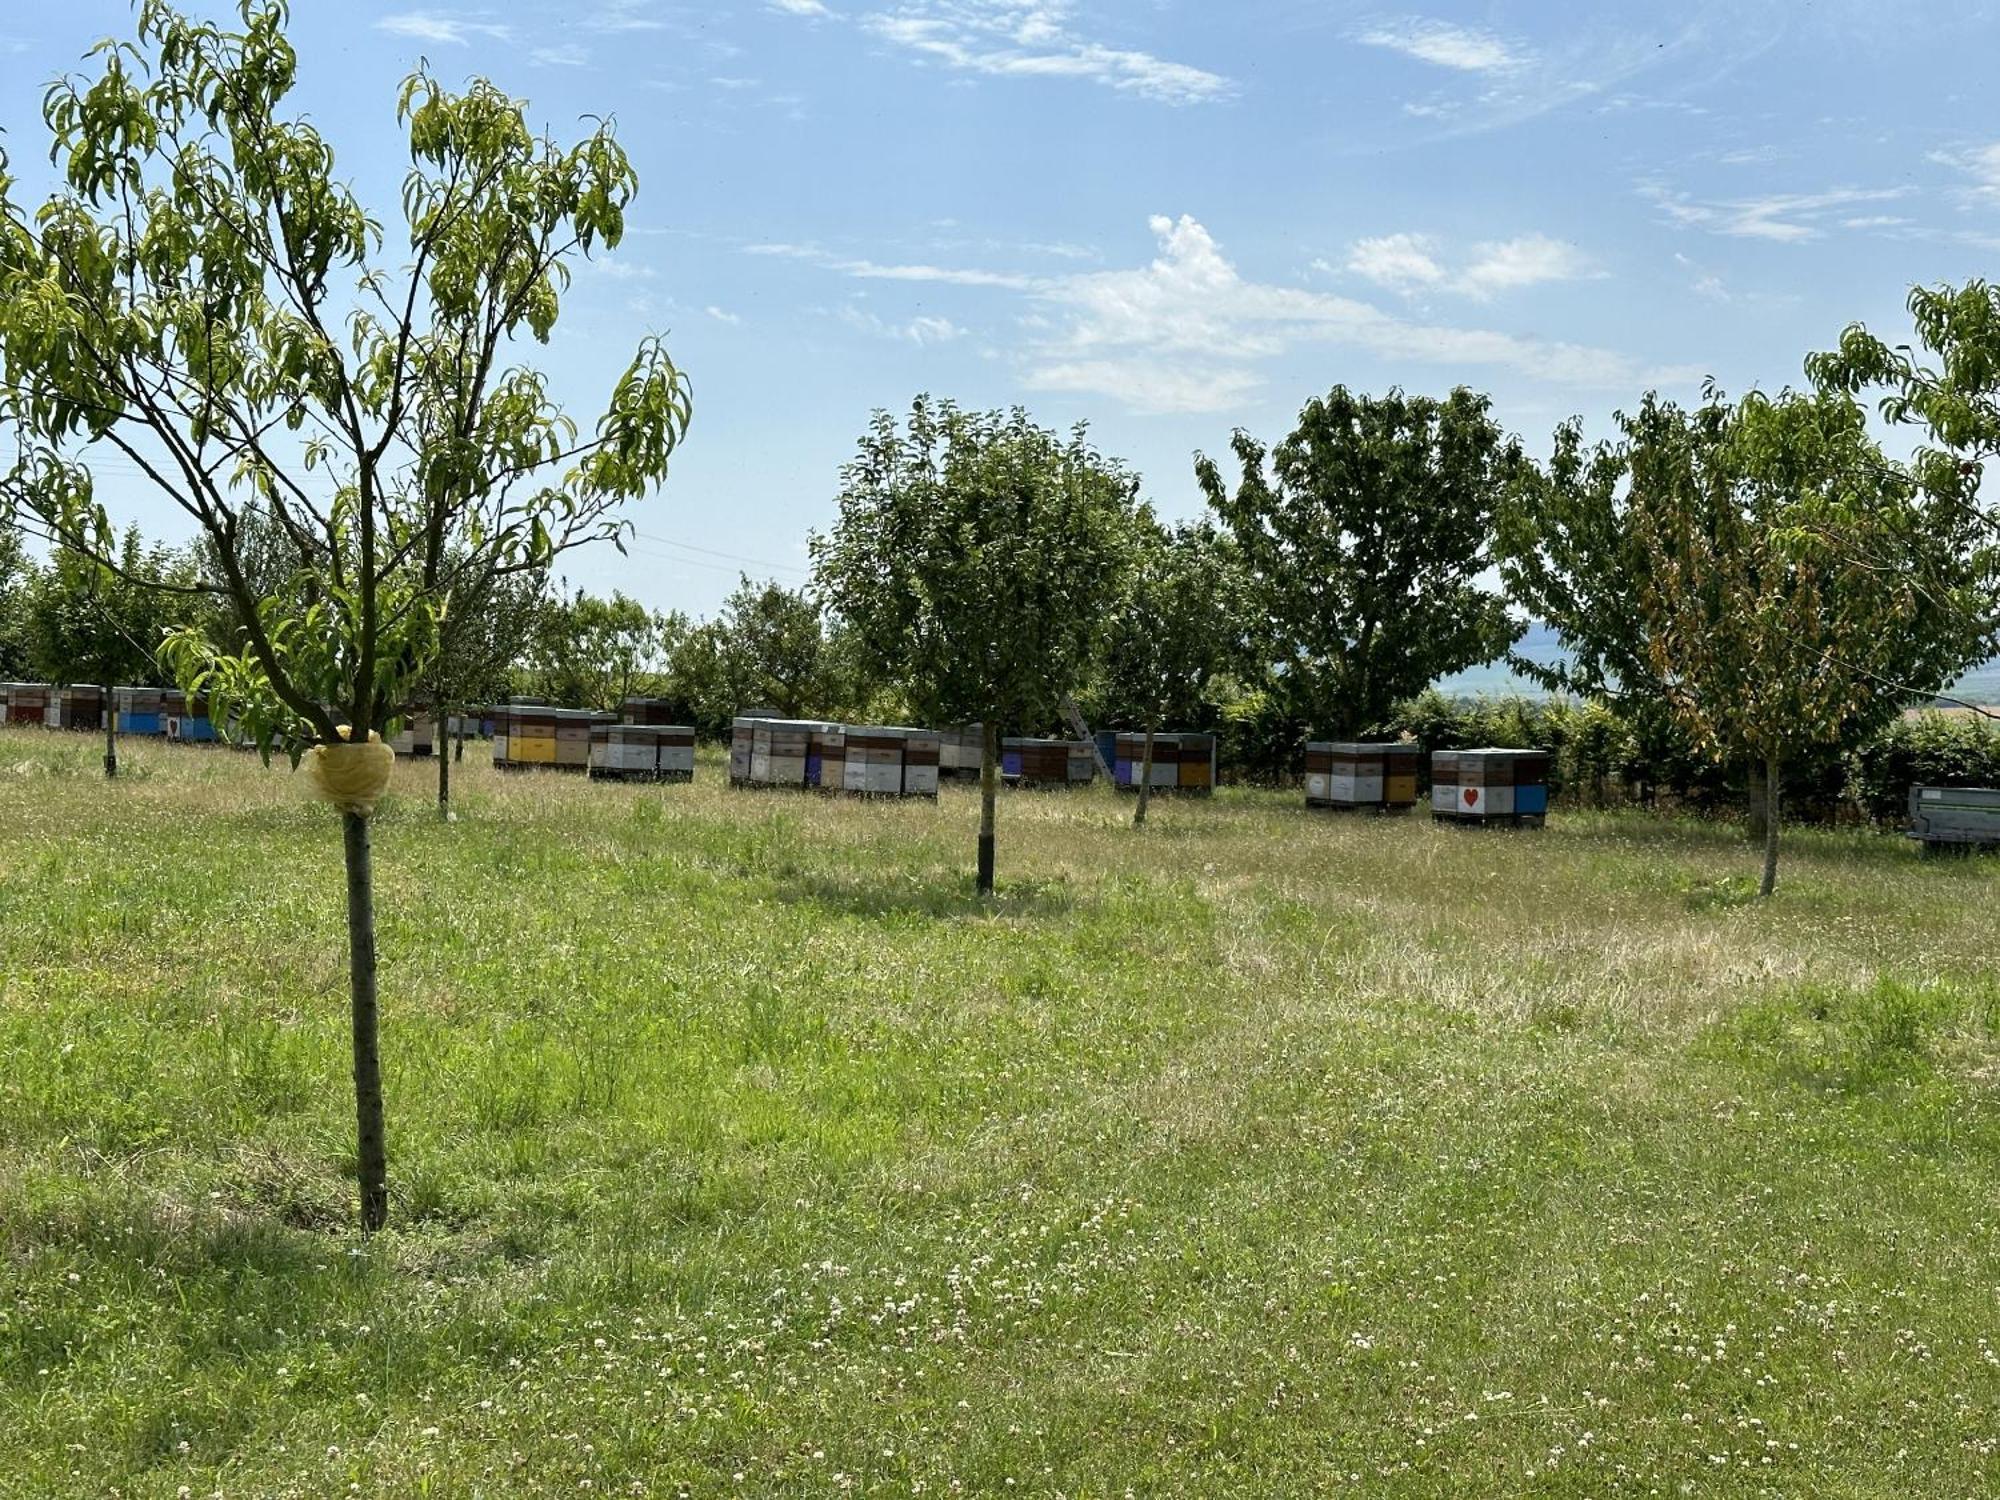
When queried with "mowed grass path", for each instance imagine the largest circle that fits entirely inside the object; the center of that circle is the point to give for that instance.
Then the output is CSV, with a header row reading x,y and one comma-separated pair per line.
x,y
737,1149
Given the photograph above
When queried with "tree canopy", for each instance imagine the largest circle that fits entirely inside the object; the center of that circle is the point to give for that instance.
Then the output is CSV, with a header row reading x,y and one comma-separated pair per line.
x,y
1364,536
1792,586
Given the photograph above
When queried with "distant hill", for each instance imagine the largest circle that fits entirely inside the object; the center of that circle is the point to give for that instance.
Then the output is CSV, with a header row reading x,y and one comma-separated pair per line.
x,y
1539,644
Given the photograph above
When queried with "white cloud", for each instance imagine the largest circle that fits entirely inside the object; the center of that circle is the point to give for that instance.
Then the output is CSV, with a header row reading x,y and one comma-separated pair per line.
x,y
1782,217
1981,164
1444,45
445,28
567,55
1529,260
1186,332
868,270
720,315
1034,39
1152,386
617,16
1402,261
1479,80
922,330
1412,263
800,7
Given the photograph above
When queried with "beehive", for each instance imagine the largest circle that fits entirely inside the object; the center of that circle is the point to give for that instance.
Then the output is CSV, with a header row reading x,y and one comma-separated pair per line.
x,y
874,763
1352,774
922,752
961,752
642,752
416,739
24,702
658,711
1490,785
140,710
1035,762
1181,762
826,757
78,706
771,752
534,734
186,720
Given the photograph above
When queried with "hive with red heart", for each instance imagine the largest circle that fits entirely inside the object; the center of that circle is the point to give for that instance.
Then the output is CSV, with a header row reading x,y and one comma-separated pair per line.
x,y
1490,785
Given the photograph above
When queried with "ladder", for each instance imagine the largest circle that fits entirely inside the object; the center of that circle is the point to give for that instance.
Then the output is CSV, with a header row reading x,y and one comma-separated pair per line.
x,y
1082,731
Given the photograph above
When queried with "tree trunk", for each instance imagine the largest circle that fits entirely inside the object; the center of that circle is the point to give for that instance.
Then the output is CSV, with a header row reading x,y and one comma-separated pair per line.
x,y
1757,799
110,736
444,773
1145,780
458,740
1770,827
989,788
371,1160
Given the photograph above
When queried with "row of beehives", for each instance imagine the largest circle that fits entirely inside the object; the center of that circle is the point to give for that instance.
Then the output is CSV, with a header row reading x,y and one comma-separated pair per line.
x,y
635,744
140,711
877,760
1180,761
1486,785
149,712
895,761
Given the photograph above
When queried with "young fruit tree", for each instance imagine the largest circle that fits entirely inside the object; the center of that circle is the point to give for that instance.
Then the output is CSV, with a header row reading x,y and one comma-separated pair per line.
x,y
1769,632
204,297
1176,627
975,558
1365,546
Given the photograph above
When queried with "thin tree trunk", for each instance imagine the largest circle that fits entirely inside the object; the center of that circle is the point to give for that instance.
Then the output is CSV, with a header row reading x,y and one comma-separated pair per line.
x,y
458,740
371,1159
1770,827
444,774
110,736
989,789
1145,780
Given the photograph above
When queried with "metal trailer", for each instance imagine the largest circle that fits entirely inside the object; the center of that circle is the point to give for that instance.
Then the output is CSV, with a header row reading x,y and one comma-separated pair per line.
x,y
1955,817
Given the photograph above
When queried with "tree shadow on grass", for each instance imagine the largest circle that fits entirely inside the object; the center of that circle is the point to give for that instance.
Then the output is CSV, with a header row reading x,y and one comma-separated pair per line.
x,y
936,895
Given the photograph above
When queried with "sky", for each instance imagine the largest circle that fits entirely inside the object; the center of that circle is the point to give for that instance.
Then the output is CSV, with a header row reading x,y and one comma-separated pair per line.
x,y
1168,218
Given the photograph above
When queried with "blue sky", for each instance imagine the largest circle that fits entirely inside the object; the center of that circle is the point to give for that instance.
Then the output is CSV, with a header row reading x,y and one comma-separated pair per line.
x,y
1173,218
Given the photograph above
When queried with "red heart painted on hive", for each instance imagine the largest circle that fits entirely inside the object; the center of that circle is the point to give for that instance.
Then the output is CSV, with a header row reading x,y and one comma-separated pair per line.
x,y
1471,795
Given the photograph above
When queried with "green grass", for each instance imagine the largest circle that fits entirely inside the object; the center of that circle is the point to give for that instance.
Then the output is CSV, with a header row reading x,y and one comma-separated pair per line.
x,y
1256,1153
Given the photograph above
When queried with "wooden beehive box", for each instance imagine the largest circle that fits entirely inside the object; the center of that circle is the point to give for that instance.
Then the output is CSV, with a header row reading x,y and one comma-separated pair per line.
x,y
1355,775
24,702
1490,785
1032,762
1182,762
641,752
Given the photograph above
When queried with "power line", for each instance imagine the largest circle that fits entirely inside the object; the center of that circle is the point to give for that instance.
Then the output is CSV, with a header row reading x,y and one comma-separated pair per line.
x,y
736,557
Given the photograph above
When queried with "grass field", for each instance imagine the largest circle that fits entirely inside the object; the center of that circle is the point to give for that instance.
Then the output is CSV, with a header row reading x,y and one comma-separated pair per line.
x,y
738,1150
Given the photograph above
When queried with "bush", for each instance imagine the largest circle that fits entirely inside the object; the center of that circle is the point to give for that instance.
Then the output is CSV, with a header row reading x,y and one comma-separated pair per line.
x,y
1928,749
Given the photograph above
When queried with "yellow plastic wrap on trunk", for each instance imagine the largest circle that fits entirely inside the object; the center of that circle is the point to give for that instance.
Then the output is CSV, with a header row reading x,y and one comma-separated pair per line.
x,y
351,777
